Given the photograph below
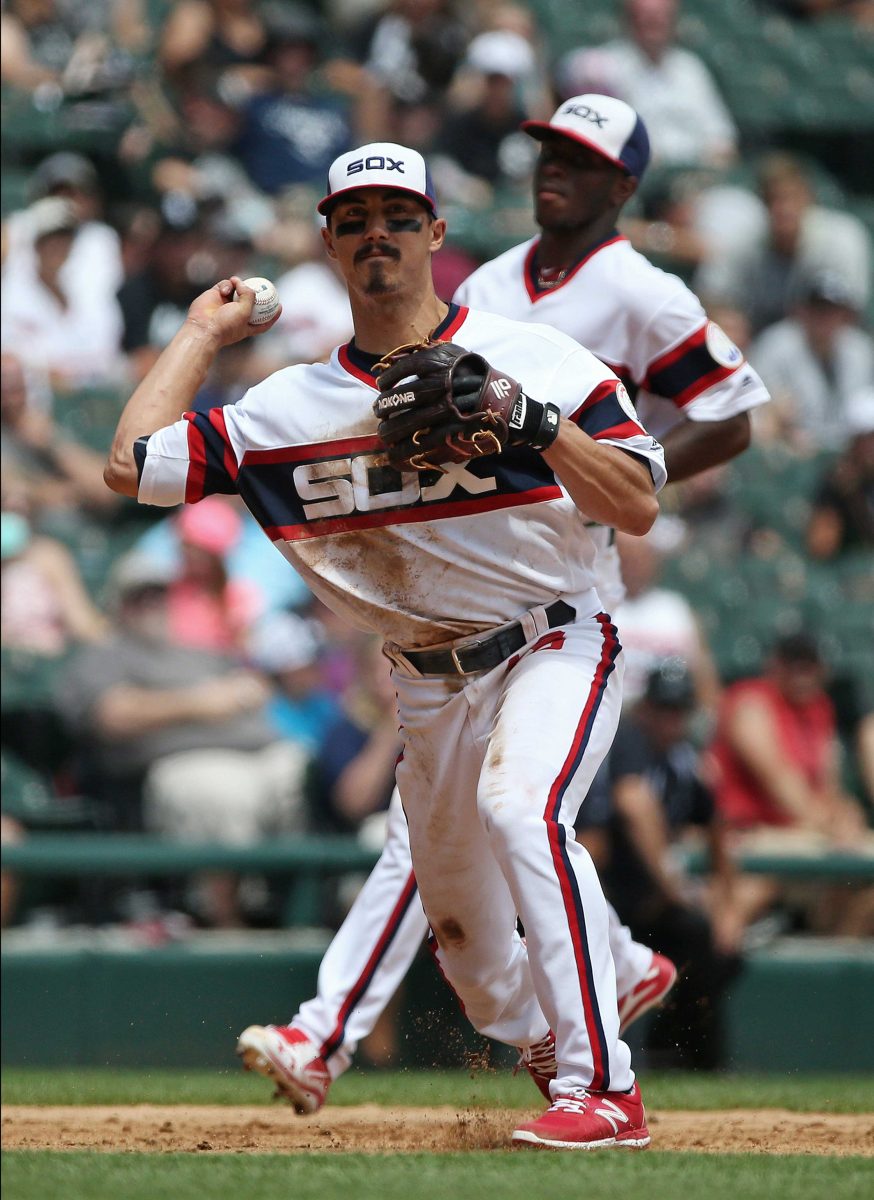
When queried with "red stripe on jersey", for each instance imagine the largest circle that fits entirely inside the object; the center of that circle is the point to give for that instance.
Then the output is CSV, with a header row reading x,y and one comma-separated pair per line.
x,y
411,516
217,420
626,430
528,274
691,343
194,482
348,365
702,384
313,451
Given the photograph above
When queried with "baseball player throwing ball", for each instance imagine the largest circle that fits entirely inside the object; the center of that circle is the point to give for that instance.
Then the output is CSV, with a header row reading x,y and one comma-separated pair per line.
x,y
692,387
442,498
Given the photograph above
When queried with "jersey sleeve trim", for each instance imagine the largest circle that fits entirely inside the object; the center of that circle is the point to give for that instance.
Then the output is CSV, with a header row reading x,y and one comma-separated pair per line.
x,y
212,462
601,415
687,370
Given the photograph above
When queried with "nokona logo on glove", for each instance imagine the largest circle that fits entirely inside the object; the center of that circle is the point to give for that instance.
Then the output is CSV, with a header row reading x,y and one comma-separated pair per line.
x,y
386,402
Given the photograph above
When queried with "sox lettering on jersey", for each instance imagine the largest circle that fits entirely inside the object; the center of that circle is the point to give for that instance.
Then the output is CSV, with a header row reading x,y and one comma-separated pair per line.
x,y
342,486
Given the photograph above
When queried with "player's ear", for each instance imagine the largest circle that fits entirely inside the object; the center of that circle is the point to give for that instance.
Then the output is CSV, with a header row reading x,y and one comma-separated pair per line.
x,y
438,234
624,188
328,240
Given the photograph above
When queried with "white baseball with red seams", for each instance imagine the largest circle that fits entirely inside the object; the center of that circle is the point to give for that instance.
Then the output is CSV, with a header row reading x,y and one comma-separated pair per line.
x,y
266,300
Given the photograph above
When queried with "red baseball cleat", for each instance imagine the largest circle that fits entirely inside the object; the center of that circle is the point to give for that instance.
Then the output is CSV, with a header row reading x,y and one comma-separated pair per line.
x,y
651,990
288,1057
585,1120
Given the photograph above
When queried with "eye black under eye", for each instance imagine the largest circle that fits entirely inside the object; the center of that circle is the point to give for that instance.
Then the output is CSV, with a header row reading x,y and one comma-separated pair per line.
x,y
349,225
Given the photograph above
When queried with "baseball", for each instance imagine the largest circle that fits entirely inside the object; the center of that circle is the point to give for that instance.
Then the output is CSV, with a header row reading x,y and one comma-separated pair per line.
x,y
266,300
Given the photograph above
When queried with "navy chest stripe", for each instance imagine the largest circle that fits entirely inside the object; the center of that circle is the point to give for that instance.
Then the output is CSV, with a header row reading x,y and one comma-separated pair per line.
x,y
409,516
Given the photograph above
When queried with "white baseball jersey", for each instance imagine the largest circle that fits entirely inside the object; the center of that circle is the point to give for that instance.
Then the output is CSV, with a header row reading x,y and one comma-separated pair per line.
x,y
643,323
419,559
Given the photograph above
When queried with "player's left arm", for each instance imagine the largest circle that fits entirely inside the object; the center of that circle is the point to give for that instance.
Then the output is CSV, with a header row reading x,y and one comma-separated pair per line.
x,y
692,446
609,485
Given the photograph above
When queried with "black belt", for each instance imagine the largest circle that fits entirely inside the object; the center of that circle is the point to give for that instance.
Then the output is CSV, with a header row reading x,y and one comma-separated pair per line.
x,y
490,652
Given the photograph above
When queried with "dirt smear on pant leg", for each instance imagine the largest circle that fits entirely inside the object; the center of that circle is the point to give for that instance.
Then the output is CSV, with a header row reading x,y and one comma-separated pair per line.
x,y
374,1129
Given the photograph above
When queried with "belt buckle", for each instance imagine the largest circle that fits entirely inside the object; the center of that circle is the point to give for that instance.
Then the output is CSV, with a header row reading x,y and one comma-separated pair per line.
x,y
453,654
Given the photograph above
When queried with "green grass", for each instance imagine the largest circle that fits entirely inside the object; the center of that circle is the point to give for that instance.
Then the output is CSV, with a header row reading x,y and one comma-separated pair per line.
x,y
504,1175
488,1089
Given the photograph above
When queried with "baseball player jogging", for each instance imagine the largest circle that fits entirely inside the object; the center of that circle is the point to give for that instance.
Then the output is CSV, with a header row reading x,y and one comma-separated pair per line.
x,y
440,495
693,388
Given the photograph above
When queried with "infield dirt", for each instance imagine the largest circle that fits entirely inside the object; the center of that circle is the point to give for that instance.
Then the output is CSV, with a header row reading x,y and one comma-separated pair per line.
x,y
370,1128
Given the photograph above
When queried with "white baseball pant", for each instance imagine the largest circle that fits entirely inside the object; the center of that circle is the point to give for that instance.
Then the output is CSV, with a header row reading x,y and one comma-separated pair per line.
x,y
492,775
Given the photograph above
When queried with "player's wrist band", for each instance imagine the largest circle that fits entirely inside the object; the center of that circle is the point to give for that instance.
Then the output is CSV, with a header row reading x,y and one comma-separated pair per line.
x,y
547,431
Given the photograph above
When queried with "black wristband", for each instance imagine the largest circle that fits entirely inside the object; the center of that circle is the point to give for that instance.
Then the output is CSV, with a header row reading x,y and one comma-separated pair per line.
x,y
550,416
533,424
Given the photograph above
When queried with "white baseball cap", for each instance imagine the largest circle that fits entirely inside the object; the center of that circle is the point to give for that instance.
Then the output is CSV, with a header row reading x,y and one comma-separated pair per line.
x,y
380,165
605,124
501,52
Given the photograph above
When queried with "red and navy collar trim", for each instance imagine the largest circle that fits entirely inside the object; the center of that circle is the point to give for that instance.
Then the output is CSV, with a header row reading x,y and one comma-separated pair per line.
x,y
529,270
360,364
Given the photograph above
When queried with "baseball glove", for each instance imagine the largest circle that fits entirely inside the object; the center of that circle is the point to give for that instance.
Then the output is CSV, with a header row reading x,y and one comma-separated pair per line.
x,y
439,403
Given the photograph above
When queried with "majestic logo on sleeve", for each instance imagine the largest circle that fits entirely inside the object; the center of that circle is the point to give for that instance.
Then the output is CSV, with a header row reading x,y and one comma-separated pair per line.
x,y
722,348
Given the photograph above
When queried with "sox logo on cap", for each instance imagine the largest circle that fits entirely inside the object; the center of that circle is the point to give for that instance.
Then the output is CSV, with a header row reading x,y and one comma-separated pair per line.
x,y
380,165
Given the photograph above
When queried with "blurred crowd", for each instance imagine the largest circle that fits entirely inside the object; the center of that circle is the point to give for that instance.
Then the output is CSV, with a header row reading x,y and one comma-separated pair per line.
x,y
172,674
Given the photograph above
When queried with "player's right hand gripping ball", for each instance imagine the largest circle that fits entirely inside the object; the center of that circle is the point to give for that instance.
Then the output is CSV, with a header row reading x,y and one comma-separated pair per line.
x,y
439,403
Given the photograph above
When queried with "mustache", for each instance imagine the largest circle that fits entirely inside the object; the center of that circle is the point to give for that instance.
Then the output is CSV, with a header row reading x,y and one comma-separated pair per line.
x,y
372,251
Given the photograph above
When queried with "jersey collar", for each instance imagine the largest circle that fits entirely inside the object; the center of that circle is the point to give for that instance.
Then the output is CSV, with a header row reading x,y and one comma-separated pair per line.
x,y
360,364
536,290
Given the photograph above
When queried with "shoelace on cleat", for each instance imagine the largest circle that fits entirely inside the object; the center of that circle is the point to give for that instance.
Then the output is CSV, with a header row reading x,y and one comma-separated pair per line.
x,y
539,1058
571,1104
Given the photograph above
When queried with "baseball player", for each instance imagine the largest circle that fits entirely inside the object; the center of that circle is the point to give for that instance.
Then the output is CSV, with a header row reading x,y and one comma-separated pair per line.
x,y
442,497
693,388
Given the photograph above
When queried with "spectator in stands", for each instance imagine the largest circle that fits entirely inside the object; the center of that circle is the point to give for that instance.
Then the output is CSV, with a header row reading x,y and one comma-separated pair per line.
x,y
291,128
656,623
94,263
412,48
842,517
223,36
671,88
52,48
12,833
354,768
207,608
154,302
72,333
288,648
814,362
778,778
201,164
49,469
178,740
482,135
800,239
45,608
651,798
